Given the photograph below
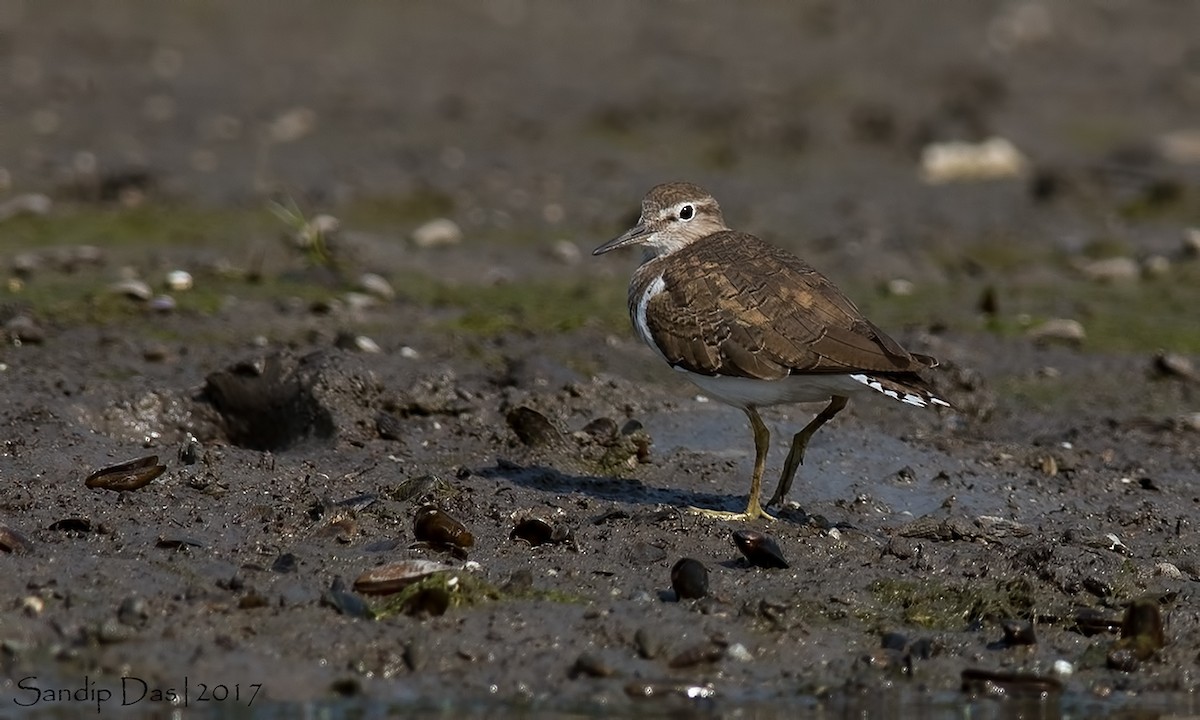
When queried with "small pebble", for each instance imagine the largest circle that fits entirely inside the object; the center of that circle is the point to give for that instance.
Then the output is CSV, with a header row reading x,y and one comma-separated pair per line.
x,y
376,285
441,232
739,652
1191,242
132,288
179,280
566,252
1156,266
1111,270
957,161
1062,330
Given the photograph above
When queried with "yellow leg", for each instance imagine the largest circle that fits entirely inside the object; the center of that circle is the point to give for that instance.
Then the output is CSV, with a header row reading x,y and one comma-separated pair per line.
x,y
795,456
762,442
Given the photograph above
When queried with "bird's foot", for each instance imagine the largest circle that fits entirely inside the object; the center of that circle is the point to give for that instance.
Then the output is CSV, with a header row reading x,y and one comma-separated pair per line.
x,y
753,512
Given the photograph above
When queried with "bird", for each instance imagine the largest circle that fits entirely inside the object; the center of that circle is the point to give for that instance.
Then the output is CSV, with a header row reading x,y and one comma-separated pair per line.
x,y
753,325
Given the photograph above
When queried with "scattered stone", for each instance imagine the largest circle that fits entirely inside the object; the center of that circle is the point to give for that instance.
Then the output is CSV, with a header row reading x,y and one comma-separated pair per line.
x,y
23,330
1062,330
1111,270
179,280
899,287
1191,242
566,252
958,161
134,612
26,204
1169,364
32,605
26,264
739,652
649,643
358,343
1181,147
133,289
441,232
292,125
1156,266
1168,570
376,285
163,304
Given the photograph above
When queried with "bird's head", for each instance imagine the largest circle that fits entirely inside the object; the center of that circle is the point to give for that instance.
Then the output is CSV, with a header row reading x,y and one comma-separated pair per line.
x,y
674,215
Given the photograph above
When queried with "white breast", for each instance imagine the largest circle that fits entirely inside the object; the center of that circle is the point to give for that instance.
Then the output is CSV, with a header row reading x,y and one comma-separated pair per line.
x,y
656,286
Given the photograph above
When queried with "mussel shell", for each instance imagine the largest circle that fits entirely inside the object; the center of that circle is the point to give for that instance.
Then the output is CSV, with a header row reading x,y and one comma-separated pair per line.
x,y
532,428
536,531
394,577
12,541
689,579
127,476
432,525
759,548
1090,622
1143,620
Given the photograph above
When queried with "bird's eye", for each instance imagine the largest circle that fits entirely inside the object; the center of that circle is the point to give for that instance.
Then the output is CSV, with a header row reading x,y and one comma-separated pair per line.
x,y
686,212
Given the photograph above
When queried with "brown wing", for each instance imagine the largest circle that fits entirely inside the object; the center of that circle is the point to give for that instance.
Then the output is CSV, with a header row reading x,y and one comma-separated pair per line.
x,y
735,305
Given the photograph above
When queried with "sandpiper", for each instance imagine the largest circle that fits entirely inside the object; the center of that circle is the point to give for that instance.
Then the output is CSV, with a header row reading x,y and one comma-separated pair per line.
x,y
753,325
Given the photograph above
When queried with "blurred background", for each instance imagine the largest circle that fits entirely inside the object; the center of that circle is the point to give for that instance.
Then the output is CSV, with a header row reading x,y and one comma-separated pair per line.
x,y
539,125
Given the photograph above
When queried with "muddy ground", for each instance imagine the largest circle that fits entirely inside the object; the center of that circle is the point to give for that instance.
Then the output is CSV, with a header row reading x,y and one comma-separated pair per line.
x,y
303,419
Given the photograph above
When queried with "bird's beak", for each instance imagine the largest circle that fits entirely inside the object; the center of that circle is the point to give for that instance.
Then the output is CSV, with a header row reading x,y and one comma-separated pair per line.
x,y
632,236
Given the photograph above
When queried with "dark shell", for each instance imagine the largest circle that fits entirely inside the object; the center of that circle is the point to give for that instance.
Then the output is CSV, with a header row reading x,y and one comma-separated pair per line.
x,y
602,428
1090,622
127,476
531,427
537,531
432,525
1143,620
689,579
71,524
389,426
13,541
760,549
1018,632
701,653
